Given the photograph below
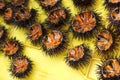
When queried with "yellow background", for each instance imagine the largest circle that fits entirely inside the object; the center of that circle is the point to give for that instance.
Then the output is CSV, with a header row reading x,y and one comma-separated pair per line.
x,y
52,68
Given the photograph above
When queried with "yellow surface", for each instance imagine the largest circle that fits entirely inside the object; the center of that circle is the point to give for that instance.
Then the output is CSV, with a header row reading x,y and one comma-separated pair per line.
x,y
52,68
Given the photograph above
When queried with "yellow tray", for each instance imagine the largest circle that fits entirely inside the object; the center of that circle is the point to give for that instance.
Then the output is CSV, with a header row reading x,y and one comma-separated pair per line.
x,y
52,68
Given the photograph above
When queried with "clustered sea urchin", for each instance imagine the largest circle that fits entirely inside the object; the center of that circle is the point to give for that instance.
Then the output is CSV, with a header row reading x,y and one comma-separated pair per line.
x,y
109,69
16,12
86,24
